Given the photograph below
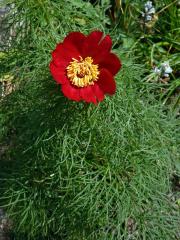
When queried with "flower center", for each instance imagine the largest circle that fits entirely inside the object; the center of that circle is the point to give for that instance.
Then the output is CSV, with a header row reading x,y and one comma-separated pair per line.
x,y
82,72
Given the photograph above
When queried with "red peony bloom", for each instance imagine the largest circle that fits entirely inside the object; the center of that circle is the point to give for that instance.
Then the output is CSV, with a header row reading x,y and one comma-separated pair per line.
x,y
85,67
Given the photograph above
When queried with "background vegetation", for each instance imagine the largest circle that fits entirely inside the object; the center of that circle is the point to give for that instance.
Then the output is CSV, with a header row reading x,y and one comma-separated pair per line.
x,y
74,171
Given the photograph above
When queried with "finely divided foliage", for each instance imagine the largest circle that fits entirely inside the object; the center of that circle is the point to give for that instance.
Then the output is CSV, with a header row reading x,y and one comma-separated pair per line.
x,y
77,171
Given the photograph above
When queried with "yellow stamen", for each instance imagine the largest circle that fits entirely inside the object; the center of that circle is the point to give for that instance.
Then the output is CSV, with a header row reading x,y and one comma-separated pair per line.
x,y
83,72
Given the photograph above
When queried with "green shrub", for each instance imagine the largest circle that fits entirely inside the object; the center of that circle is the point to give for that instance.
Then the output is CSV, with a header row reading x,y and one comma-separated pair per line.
x,y
78,171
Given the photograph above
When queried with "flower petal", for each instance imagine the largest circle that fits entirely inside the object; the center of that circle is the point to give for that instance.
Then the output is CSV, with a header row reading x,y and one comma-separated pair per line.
x,y
87,94
96,44
71,92
64,53
109,61
90,46
58,74
98,92
105,44
59,61
106,82
76,39
94,37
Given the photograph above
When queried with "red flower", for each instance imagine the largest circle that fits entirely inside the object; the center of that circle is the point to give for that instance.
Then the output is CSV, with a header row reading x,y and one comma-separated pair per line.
x,y
85,67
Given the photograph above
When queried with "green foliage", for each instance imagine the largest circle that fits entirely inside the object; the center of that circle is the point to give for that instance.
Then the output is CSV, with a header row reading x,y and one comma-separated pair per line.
x,y
39,25
153,42
75,171
81,172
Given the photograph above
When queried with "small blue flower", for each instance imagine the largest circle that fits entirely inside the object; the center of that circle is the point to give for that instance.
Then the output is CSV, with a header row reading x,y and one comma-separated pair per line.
x,y
149,11
164,70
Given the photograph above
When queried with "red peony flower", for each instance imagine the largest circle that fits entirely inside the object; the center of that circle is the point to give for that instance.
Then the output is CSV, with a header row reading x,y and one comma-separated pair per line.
x,y
85,67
